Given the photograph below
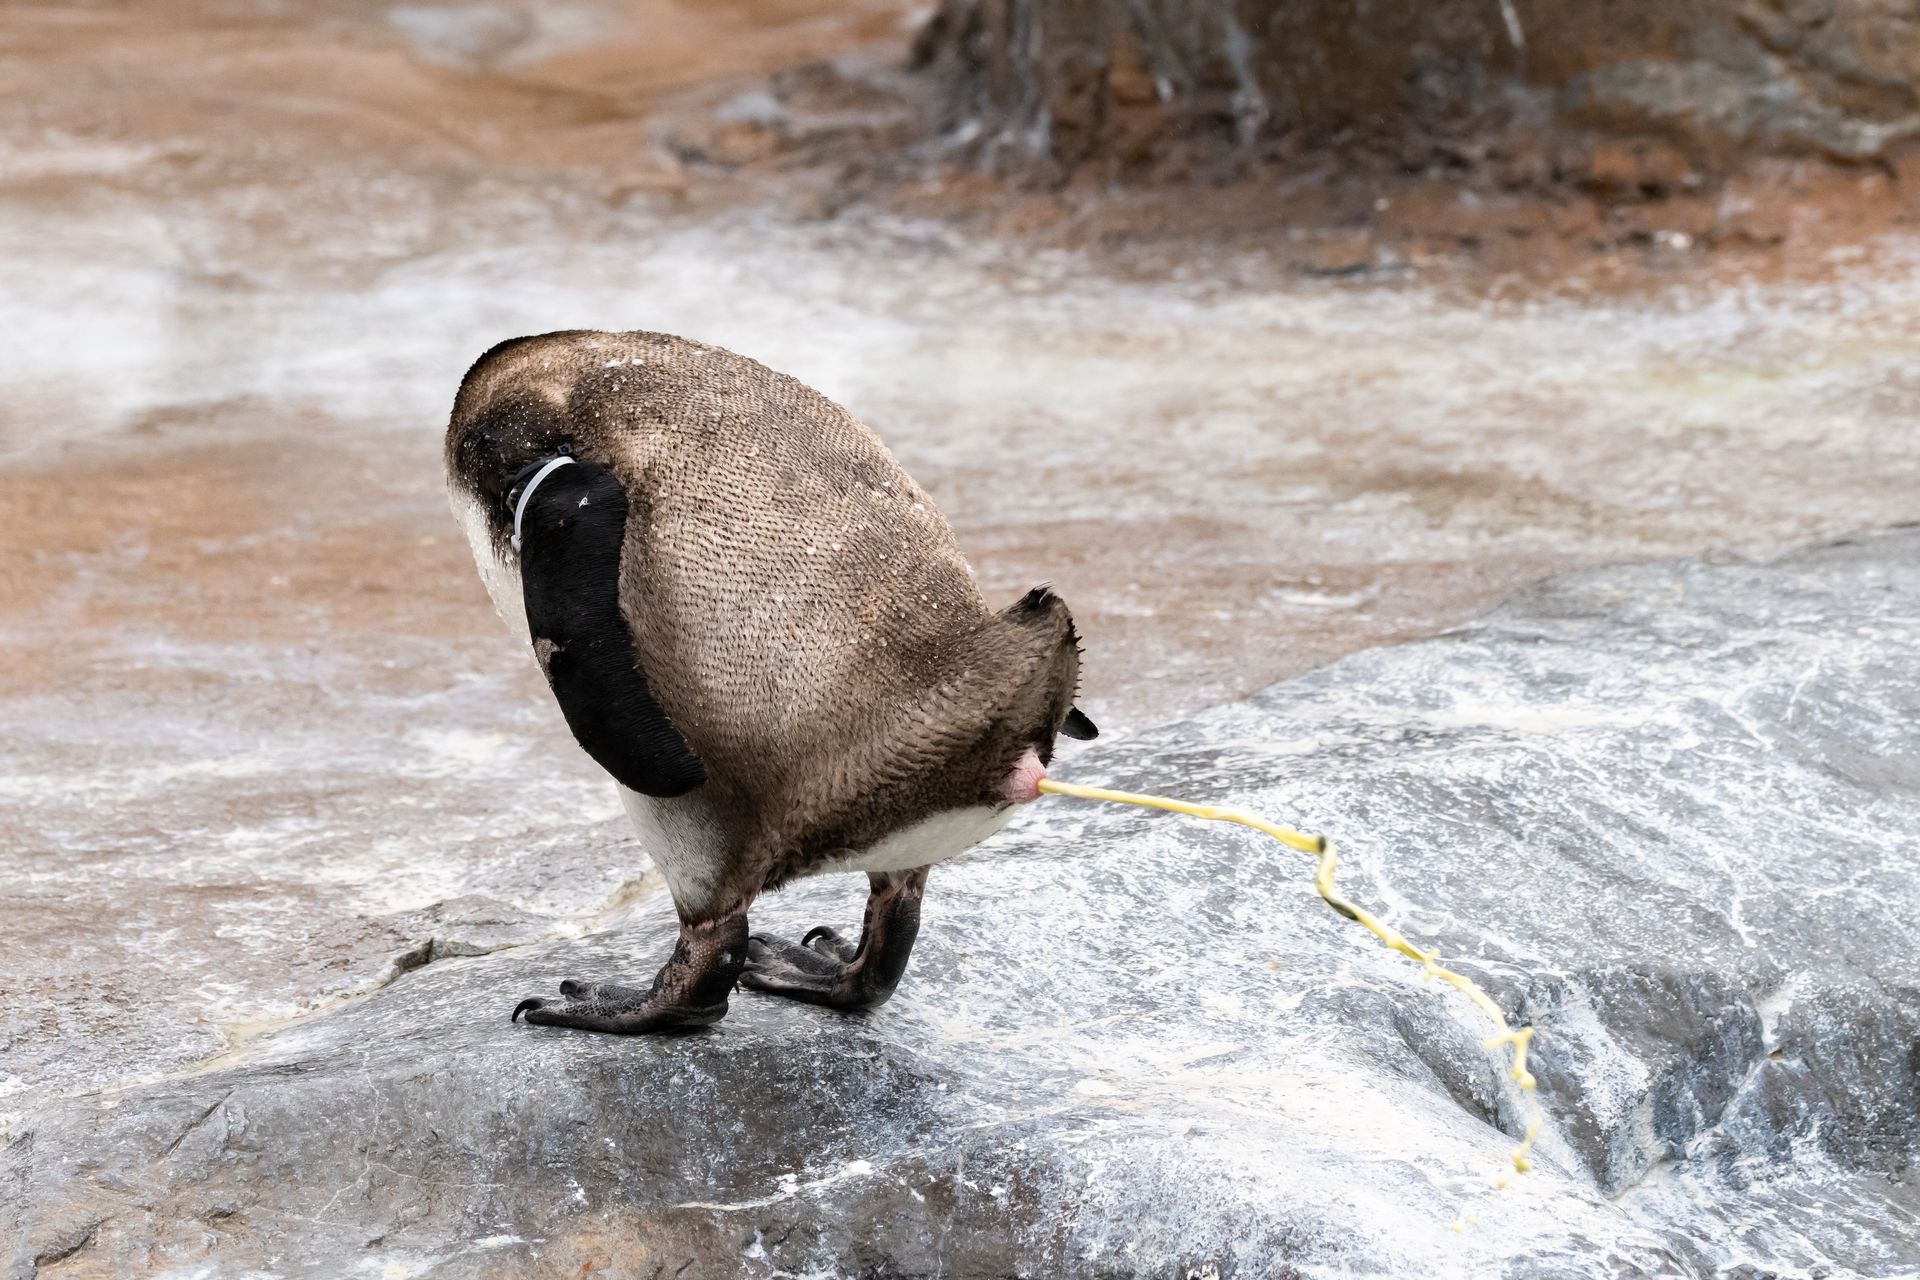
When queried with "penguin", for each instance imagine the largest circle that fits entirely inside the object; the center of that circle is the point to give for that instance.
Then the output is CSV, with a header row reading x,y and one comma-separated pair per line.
x,y
764,631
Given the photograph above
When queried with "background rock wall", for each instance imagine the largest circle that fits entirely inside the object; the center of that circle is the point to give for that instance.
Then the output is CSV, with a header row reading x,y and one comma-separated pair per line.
x,y
1699,85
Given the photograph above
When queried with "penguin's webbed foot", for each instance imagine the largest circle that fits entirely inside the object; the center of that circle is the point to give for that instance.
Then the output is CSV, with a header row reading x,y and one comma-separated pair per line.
x,y
614,1015
689,991
825,968
807,971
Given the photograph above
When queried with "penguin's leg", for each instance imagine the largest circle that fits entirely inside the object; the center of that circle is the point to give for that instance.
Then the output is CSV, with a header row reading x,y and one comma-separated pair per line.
x,y
689,991
824,968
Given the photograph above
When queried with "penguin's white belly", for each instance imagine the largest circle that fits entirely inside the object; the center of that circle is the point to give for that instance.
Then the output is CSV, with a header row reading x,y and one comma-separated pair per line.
x,y
687,841
929,840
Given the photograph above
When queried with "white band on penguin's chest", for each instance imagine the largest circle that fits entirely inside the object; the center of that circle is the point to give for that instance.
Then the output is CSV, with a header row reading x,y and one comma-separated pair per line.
x,y
520,509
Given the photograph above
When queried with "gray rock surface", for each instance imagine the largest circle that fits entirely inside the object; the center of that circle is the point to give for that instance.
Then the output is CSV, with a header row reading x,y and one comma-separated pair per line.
x,y
1666,812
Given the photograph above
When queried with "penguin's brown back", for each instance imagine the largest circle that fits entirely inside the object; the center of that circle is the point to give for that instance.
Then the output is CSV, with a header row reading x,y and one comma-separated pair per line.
x,y
797,602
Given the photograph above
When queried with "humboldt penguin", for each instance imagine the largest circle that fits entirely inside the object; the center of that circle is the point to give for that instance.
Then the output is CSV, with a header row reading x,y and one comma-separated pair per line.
x,y
764,630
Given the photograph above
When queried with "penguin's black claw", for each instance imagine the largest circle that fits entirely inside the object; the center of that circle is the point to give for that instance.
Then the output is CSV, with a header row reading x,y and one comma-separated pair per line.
x,y
828,942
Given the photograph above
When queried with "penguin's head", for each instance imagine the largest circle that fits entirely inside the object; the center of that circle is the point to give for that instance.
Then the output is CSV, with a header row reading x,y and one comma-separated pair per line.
x,y
1044,652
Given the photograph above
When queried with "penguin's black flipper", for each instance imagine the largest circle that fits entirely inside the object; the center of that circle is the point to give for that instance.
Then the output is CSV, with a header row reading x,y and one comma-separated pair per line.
x,y
1079,726
571,533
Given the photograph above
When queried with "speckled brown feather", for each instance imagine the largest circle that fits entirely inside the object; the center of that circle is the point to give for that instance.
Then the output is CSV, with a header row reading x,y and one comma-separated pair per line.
x,y
798,603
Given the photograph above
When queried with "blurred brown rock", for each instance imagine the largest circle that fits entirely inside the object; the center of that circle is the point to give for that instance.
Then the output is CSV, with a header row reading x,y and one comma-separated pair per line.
x,y
1689,87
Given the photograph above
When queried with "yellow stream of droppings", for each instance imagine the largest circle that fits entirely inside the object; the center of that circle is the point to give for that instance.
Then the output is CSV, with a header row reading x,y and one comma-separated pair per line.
x,y
1322,849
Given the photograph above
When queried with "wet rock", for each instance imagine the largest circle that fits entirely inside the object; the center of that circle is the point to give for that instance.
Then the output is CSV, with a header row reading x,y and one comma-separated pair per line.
x,y
1666,813
494,33
1622,170
467,926
807,112
1333,253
